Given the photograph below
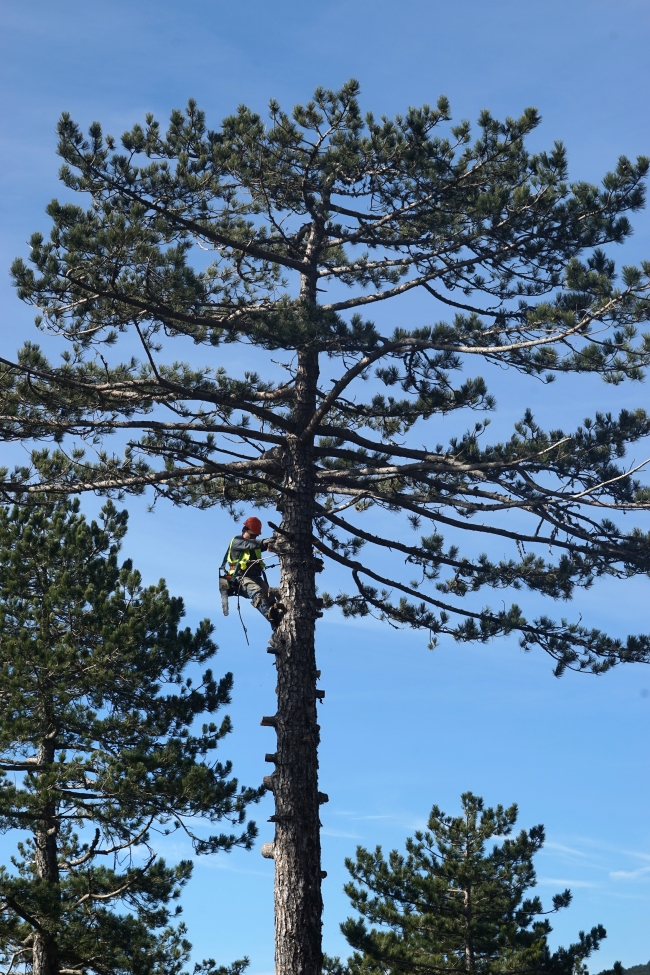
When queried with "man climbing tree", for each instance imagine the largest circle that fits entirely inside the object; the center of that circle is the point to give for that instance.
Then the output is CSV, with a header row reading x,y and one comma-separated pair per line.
x,y
97,750
242,572
275,236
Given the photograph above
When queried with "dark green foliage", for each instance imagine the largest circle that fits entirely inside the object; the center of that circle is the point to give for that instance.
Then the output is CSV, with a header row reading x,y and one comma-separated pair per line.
x,y
618,969
333,966
454,905
99,749
633,970
306,221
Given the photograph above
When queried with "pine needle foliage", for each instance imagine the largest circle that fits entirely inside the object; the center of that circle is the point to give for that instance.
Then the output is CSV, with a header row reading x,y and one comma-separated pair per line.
x,y
99,750
456,904
277,236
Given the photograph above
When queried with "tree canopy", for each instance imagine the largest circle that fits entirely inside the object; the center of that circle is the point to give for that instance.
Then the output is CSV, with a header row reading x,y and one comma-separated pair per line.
x,y
453,904
268,236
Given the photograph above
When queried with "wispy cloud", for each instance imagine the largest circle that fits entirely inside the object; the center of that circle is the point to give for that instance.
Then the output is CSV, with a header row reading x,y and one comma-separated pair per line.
x,y
594,848
555,882
377,816
357,817
561,848
605,847
341,834
630,874
212,863
399,819
610,863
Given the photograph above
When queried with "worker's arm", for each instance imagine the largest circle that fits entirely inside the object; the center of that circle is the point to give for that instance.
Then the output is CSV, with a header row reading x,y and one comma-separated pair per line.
x,y
241,545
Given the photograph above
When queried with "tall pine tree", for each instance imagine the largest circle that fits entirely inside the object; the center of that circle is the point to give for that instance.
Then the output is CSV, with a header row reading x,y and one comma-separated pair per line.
x,y
453,905
98,749
276,236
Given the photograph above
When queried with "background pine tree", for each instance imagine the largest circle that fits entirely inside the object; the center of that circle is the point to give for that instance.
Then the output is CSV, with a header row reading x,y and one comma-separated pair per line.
x,y
456,904
99,749
277,237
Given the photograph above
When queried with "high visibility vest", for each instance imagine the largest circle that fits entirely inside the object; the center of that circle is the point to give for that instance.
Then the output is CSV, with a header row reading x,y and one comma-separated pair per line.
x,y
234,568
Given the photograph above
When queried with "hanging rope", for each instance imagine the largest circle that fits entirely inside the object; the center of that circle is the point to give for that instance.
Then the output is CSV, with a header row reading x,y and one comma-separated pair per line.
x,y
241,619
243,576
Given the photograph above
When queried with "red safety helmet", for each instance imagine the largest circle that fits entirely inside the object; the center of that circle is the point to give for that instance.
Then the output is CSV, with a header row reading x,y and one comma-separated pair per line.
x,y
254,525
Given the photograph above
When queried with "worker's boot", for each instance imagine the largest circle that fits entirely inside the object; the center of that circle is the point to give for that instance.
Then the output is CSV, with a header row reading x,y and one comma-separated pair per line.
x,y
275,614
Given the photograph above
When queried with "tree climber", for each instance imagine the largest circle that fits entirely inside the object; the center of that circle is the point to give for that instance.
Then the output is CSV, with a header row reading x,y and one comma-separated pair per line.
x,y
242,572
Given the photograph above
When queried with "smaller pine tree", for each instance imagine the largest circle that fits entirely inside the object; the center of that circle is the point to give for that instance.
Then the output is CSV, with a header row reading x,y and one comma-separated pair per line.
x,y
450,905
98,750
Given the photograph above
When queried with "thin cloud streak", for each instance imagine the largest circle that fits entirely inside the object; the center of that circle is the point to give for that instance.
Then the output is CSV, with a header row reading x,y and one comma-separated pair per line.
x,y
340,834
553,882
630,874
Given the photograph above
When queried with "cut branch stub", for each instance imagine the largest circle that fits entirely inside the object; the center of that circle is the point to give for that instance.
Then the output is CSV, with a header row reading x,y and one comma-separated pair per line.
x,y
267,851
322,798
269,721
269,782
271,757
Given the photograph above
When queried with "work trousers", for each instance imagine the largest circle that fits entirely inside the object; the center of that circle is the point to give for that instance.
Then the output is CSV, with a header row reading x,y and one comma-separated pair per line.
x,y
256,589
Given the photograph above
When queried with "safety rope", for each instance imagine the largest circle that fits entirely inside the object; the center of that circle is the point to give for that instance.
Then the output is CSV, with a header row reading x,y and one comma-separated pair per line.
x,y
241,619
243,576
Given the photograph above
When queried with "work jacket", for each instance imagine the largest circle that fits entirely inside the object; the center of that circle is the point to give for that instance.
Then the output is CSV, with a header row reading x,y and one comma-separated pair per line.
x,y
244,557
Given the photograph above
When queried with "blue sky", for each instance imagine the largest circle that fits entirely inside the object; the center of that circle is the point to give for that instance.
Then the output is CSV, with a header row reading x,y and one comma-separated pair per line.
x,y
402,727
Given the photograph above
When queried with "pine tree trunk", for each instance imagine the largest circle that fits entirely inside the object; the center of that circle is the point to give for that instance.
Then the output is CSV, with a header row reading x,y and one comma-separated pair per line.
x,y
467,908
296,851
44,953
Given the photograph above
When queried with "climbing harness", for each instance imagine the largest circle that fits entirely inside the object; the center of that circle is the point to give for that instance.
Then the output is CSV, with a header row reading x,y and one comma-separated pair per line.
x,y
229,586
232,572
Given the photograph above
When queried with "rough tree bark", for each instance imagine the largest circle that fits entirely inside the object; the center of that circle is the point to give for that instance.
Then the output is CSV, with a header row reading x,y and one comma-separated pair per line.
x,y
296,848
44,954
